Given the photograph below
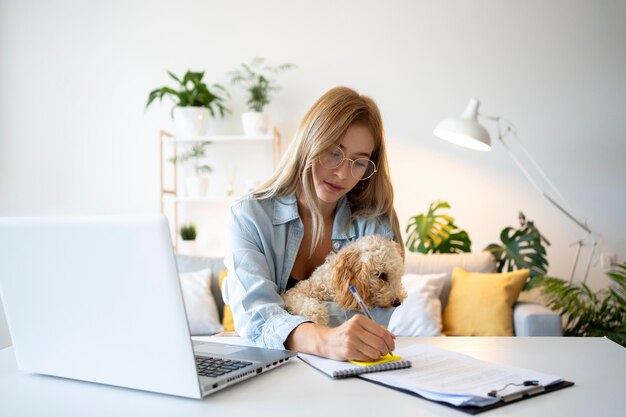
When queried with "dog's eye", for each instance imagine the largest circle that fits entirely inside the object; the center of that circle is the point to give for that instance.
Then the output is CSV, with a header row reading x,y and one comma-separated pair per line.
x,y
382,276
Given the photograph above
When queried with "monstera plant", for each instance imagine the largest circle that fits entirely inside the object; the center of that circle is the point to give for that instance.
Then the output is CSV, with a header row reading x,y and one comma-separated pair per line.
x,y
435,232
521,248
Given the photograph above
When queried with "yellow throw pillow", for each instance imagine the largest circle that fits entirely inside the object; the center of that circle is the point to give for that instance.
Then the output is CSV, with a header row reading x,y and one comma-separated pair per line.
x,y
227,318
482,304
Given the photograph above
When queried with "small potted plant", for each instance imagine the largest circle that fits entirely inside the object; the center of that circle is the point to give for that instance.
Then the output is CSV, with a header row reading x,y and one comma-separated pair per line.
x,y
257,79
188,235
198,184
194,102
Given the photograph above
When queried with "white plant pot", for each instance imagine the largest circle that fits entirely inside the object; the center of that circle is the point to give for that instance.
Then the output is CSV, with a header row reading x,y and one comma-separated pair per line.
x,y
187,247
255,123
197,186
191,121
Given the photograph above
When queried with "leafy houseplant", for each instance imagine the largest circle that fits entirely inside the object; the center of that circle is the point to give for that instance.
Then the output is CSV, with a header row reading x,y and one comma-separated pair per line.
x,y
589,313
188,244
436,233
257,79
192,92
521,248
194,101
198,185
196,153
188,231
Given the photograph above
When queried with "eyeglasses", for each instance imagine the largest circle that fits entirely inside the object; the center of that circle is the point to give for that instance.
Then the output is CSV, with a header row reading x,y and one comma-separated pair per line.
x,y
361,169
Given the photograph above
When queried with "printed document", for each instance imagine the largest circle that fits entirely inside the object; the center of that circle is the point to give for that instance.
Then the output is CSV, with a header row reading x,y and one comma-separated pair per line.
x,y
458,379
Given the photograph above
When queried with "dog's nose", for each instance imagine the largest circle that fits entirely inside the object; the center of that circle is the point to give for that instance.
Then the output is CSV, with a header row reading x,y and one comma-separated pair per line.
x,y
396,302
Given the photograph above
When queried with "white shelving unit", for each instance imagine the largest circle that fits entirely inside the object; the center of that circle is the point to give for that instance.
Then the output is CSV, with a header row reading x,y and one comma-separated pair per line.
x,y
253,158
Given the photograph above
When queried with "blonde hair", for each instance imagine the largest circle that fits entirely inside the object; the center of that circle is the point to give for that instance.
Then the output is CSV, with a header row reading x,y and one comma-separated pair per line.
x,y
322,128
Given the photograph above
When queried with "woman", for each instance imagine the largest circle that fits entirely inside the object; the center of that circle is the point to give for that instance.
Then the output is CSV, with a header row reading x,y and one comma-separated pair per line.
x,y
331,187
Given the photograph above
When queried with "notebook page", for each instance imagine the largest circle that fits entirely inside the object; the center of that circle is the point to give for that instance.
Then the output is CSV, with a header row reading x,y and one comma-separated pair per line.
x,y
328,366
339,369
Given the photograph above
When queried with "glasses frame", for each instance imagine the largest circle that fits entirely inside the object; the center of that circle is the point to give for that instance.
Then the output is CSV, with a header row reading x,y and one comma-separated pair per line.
x,y
352,161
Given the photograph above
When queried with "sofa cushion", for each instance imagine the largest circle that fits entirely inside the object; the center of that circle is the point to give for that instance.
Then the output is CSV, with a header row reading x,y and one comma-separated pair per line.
x,y
482,304
202,314
227,318
420,313
417,263
187,263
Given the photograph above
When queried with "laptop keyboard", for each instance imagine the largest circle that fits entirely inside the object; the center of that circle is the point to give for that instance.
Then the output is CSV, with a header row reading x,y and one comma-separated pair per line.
x,y
214,367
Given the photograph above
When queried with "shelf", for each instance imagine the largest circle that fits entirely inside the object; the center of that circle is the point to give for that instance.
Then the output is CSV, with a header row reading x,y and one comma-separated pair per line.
x,y
209,213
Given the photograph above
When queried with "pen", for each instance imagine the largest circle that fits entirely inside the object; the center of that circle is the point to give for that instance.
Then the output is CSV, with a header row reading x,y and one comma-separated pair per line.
x,y
361,304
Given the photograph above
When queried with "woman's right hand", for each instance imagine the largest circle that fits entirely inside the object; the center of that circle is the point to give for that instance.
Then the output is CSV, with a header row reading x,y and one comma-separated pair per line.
x,y
359,338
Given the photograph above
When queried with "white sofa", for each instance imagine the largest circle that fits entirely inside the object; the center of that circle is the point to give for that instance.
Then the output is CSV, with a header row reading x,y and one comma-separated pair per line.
x,y
529,319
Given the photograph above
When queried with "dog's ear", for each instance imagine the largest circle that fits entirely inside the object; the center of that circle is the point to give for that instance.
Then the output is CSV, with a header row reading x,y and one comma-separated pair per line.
x,y
349,270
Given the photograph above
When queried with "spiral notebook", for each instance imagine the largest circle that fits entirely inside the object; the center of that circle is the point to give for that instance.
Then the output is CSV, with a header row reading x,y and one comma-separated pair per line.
x,y
338,369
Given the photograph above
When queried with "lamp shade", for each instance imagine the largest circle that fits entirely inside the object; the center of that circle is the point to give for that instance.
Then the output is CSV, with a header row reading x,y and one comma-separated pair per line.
x,y
465,130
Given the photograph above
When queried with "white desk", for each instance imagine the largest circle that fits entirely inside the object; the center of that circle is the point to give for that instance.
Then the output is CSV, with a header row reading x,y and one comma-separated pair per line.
x,y
596,365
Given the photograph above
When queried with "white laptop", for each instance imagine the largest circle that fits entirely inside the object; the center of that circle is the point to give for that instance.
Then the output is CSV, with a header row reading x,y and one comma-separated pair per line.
x,y
98,299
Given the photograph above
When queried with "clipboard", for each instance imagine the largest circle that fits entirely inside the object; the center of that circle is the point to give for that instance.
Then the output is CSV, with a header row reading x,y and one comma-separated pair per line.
x,y
471,409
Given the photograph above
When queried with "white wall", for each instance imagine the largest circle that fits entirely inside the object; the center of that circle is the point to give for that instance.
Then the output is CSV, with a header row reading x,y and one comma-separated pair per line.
x,y
74,77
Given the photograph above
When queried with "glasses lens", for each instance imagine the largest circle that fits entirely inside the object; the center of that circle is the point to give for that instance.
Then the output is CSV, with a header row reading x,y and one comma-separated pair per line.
x,y
362,169
332,158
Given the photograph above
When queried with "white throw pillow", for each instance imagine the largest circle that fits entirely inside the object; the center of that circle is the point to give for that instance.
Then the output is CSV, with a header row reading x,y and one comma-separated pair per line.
x,y
420,313
201,309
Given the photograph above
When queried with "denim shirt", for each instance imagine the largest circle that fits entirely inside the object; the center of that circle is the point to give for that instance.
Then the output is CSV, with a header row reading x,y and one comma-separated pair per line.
x,y
265,235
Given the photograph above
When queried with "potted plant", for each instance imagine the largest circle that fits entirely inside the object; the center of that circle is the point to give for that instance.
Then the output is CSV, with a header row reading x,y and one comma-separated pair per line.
x,y
257,79
188,239
194,102
589,313
198,184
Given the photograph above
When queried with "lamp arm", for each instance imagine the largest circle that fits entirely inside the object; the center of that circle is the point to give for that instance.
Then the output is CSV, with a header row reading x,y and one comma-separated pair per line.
x,y
510,128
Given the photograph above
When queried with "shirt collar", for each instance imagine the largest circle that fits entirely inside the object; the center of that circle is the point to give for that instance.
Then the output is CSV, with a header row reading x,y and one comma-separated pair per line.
x,y
286,210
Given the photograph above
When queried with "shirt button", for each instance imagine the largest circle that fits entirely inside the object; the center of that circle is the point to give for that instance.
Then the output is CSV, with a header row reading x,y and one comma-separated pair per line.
x,y
336,245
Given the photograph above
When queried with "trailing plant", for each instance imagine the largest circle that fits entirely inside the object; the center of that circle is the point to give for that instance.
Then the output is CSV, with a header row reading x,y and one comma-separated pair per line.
x,y
435,232
521,248
257,79
589,313
188,231
196,153
192,92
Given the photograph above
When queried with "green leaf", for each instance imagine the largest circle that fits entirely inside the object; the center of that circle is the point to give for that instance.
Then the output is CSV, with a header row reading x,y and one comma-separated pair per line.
x,y
255,79
521,248
171,74
196,154
436,232
588,312
192,91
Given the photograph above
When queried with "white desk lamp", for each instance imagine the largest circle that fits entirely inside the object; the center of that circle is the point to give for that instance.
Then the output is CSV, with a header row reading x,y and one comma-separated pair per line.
x,y
467,132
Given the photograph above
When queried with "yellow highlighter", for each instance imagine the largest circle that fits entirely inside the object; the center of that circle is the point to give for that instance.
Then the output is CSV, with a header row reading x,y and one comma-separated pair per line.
x,y
386,358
